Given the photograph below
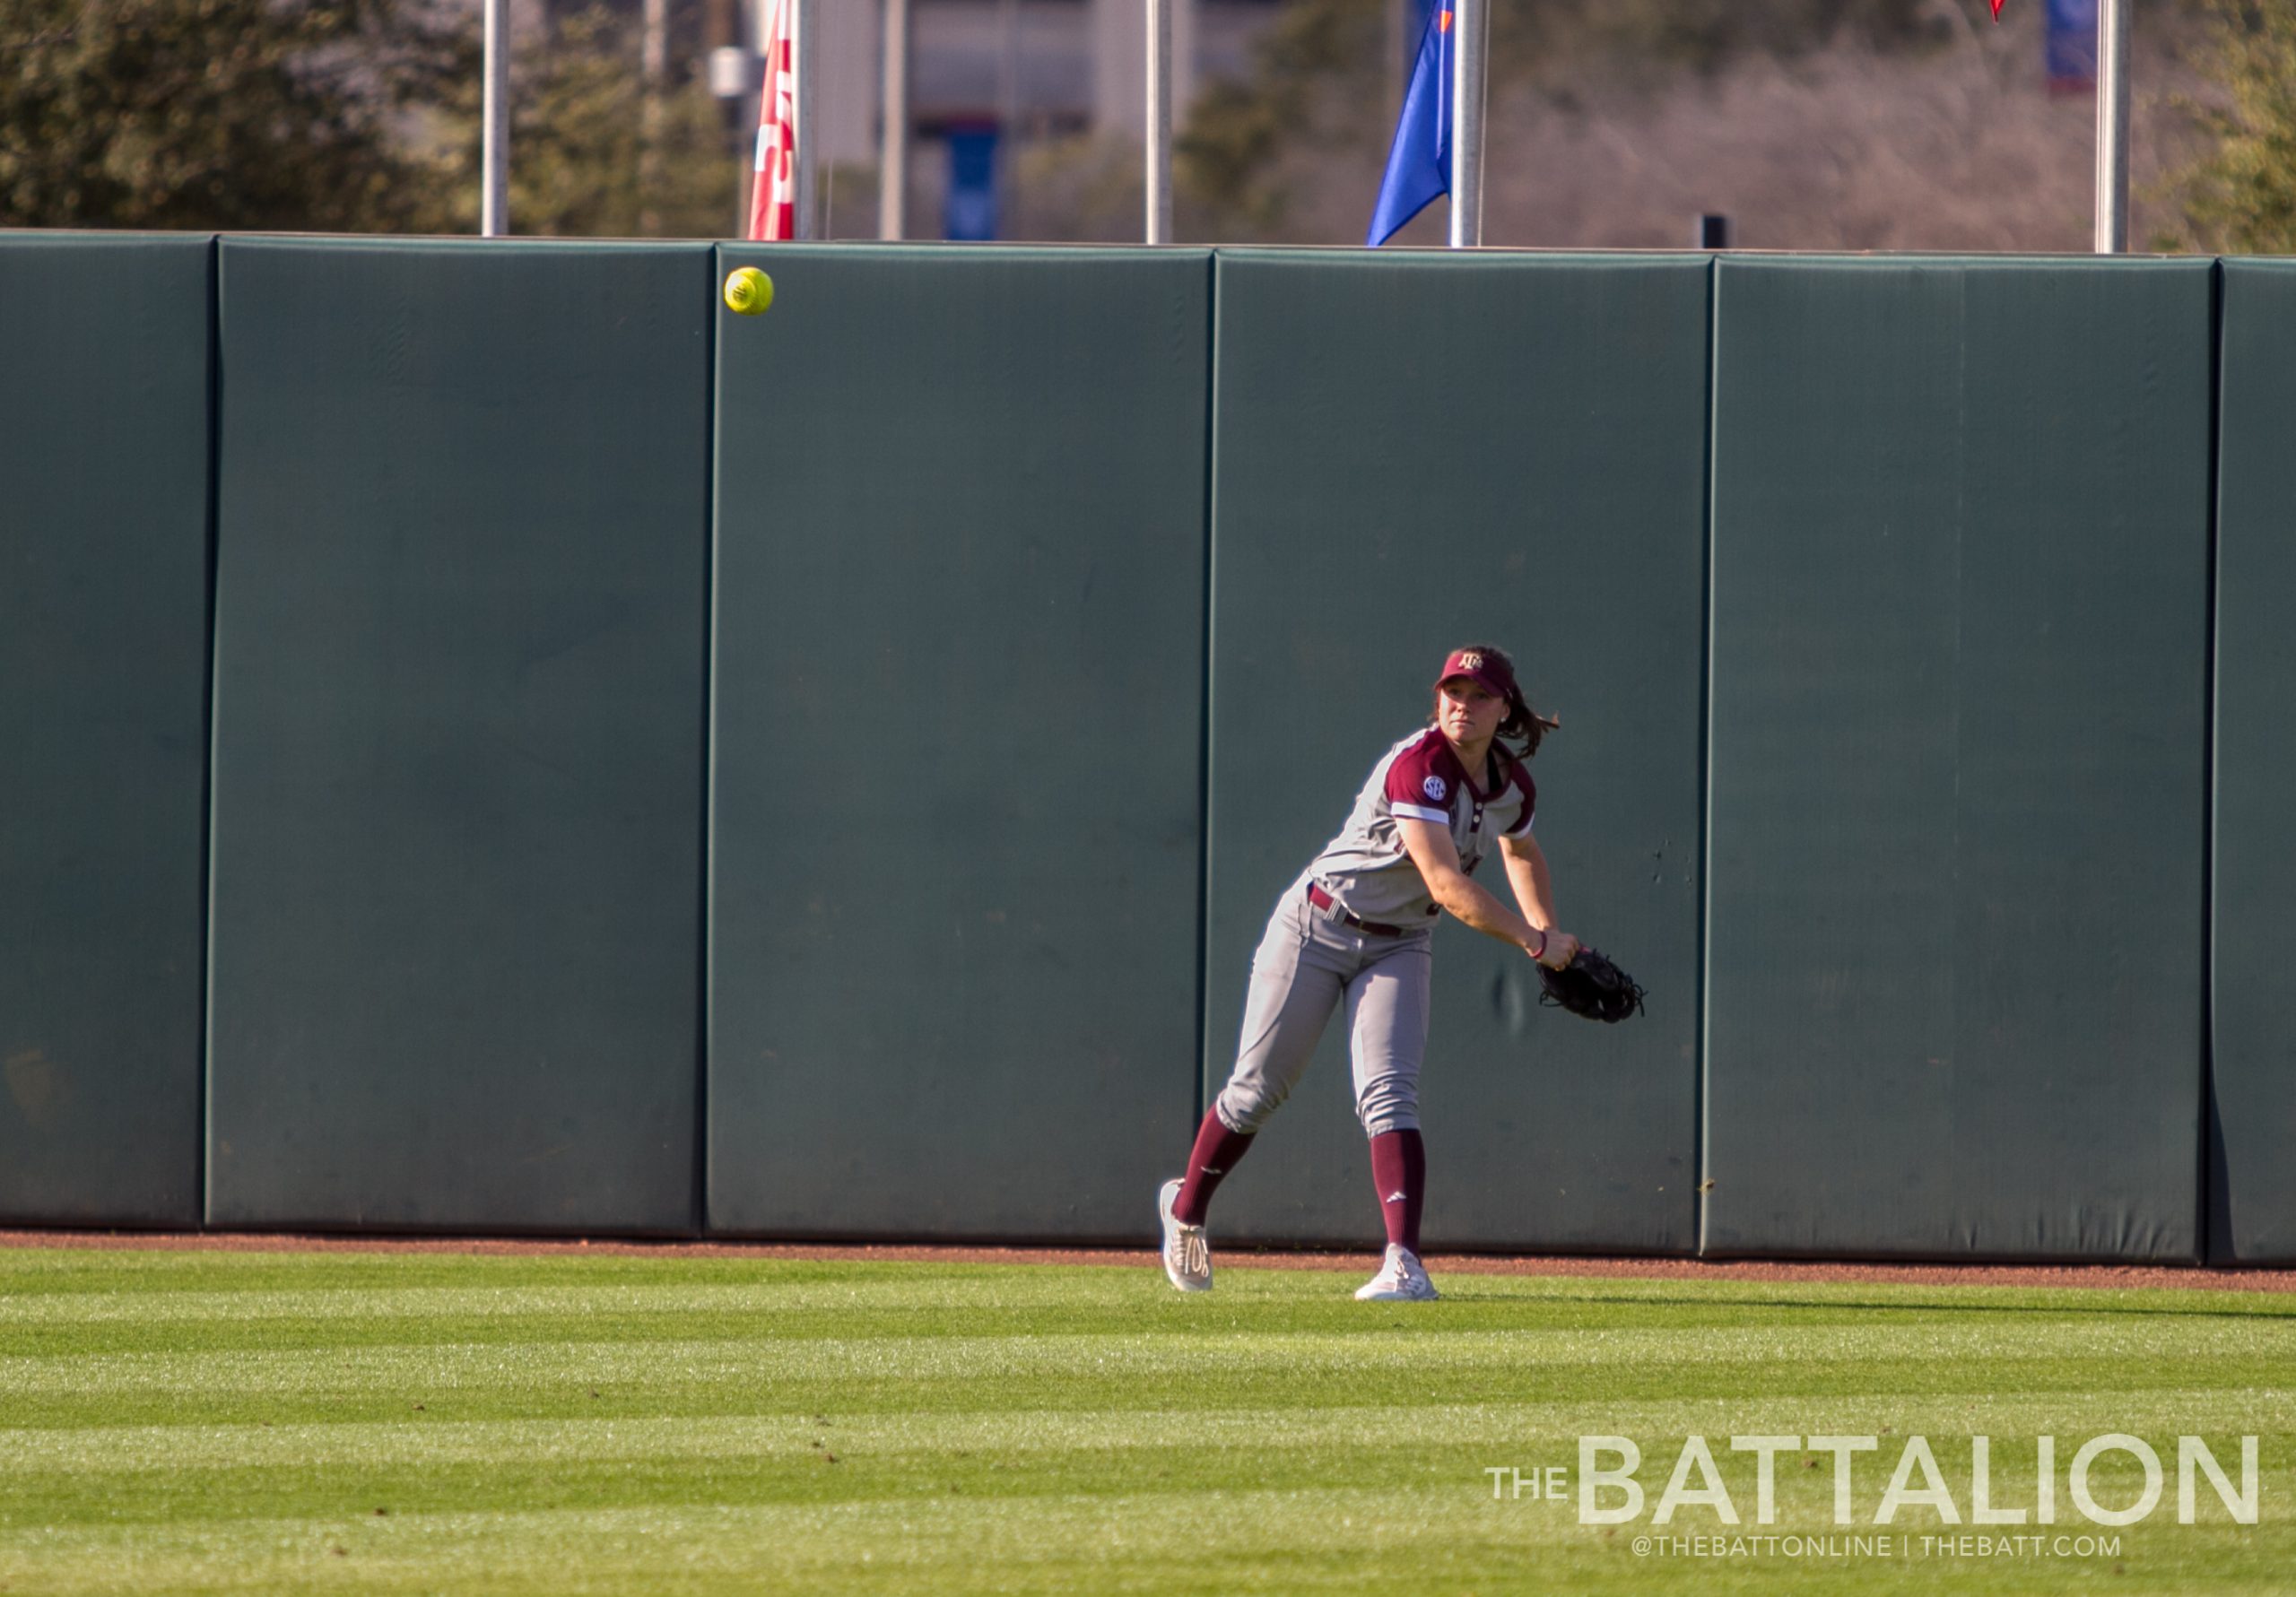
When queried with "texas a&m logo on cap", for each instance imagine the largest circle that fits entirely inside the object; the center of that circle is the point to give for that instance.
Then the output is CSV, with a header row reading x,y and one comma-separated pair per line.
x,y
1487,667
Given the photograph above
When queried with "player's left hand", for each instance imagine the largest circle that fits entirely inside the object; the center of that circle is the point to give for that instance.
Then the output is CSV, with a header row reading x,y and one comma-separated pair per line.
x,y
1592,986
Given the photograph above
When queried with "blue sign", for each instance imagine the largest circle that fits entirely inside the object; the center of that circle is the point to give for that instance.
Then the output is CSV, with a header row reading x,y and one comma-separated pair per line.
x,y
969,214
2071,49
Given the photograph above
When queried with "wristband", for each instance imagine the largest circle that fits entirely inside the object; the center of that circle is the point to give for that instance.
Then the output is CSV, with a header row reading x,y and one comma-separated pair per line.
x,y
1541,952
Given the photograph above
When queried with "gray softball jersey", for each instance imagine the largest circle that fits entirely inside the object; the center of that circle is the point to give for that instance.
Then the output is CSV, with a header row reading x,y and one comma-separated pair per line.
x,y
1366,867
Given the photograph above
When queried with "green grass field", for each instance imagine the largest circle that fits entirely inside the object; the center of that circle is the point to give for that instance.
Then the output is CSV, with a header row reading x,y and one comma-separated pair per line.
x,y
347,1422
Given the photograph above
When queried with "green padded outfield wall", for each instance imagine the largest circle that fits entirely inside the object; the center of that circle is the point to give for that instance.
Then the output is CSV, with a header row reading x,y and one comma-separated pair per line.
x,y
1958,760
460,700
104,448
1418,451
957,739
2252,1129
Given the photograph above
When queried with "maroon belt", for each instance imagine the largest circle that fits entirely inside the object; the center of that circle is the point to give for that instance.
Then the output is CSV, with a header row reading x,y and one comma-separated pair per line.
x,y
1323,900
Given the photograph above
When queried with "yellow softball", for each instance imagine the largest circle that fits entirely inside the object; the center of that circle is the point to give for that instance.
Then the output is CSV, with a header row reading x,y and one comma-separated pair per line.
x,y
749,291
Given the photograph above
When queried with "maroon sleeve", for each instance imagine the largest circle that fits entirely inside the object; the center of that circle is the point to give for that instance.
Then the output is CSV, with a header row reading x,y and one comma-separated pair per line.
x,y
1420,779
1530,792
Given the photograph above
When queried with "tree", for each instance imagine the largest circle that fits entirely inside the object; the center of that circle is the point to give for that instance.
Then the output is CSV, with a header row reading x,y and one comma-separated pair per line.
x,y
337,115
578,149
2241,197
1321,63
223,114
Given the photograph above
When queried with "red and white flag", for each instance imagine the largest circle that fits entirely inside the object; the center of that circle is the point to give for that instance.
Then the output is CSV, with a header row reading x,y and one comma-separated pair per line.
x,y
773,199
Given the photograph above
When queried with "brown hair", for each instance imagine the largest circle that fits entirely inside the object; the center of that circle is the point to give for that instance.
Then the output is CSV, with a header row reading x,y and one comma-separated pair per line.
x,y
1524,725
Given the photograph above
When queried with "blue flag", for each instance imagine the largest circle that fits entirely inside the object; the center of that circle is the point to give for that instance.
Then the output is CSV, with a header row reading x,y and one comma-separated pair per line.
x,y
2072,47
1419,163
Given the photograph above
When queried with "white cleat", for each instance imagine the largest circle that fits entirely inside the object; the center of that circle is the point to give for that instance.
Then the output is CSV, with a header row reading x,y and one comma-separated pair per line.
x,y
1402,1278
1187,1256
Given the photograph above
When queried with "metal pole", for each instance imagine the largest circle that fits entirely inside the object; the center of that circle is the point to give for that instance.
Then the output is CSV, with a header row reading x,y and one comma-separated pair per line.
x,y
654,61
494,142
731,65
1402,45
762,22
2112,126
805,53
1008,72
1468,19
1159,122
893,162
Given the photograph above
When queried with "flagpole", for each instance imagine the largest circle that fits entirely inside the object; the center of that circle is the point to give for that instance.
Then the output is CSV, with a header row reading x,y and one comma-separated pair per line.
x,y
653,58
494,154
804,54
2113,127
1468,19
1403,46
892,167
1159,122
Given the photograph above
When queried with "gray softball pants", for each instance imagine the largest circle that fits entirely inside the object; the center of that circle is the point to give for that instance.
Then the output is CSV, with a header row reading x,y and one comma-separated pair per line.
x,y
1309,962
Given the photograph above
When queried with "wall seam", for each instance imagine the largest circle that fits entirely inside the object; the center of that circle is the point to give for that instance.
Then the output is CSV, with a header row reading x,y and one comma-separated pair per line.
x,y
1200,1096
2204,1245
203,1199
1701,1094
707,975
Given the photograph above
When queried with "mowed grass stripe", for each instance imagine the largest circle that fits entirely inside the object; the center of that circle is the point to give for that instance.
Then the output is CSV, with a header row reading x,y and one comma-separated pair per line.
x,y
1420,1346
299,1337
256,1331
923,1543
1803,1498
1440,1535
543,1381
422,1443
1189,1481
262,1328
64,1285
777,1288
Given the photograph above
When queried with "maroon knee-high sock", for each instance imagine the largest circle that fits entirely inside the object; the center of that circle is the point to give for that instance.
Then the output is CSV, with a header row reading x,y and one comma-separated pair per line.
x,y
1217,1148
1400,1164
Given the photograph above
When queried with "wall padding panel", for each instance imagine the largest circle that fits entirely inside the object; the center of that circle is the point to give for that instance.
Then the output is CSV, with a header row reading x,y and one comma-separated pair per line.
x,y
2253,1118
1415,452
958,727
1960,624
458,757
104,447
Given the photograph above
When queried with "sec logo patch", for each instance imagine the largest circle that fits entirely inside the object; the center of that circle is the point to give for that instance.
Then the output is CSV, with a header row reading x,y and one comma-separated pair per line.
x,y
1436,788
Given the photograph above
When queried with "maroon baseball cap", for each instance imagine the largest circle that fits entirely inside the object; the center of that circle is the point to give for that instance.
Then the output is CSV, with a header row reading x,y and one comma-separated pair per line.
x,y
1482,665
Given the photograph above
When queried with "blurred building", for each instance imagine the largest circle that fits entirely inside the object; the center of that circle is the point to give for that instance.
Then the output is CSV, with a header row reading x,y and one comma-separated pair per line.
x,y
1031,68
987,76
1006,71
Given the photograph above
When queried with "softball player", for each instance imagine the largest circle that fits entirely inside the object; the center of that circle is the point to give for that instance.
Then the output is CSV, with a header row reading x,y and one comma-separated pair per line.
x,y
1357,928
